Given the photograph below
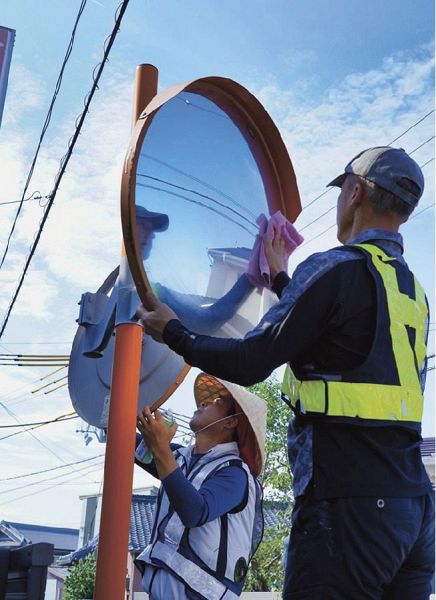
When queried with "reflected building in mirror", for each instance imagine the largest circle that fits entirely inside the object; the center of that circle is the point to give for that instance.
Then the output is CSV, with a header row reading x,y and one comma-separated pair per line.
x,y
228,265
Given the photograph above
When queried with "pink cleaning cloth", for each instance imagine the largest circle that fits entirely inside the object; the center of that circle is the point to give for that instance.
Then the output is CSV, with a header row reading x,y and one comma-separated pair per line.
x,y
258,269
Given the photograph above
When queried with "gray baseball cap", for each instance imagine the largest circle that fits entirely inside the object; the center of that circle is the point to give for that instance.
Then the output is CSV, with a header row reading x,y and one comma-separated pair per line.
x,y
159,221
387,167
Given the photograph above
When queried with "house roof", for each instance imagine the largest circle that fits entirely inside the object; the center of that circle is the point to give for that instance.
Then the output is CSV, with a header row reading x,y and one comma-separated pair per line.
x,y
141,521
276,514
9,536
240,252
63,539
428,447
141,524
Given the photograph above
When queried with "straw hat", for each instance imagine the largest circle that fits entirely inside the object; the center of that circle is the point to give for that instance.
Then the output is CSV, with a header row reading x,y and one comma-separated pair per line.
x,y
251,429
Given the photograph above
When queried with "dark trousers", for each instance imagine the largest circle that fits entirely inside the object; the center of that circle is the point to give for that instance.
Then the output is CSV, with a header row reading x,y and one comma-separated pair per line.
x,y
361,549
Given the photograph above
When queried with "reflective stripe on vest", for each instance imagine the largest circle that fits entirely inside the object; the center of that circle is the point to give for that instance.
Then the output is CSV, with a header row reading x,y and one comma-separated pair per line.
x,y
194,575
403,402
167,545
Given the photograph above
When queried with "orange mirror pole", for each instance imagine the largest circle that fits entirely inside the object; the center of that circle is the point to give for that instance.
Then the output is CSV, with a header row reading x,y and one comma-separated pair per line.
x,y
110,581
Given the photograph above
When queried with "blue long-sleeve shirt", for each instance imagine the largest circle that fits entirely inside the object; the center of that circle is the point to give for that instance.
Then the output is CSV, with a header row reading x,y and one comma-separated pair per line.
x,y
221,493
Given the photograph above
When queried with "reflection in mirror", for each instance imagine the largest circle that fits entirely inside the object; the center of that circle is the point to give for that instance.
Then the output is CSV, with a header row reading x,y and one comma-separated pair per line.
x,y
198,195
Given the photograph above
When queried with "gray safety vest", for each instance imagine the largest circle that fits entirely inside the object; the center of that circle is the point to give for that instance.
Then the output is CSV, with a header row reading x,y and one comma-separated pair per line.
x,y
211,559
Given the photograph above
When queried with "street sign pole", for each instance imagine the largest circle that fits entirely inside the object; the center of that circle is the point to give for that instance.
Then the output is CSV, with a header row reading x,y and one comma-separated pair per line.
x,y
118,468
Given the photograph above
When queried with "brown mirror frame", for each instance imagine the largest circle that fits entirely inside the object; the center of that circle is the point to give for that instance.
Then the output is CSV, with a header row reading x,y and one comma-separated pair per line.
x,y
257,128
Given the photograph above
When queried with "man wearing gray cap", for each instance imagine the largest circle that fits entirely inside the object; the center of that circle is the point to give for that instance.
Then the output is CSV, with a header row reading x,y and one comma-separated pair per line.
x,y
352,326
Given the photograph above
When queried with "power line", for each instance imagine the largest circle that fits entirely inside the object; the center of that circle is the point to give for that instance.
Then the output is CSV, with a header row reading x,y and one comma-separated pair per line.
x,y
428,162
65,160
34,343
36,438
421,145
56,420
36,427
421,211
20,487
334,224
77,462
46,123
198,203
34,360
317,218
32,197
411,127
318,235
185,189
390,143
317,198
201,182
21,394
50,487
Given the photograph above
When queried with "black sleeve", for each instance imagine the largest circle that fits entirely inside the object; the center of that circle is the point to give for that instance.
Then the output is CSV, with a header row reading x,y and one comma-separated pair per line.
x,y
281,280
338,303
210,318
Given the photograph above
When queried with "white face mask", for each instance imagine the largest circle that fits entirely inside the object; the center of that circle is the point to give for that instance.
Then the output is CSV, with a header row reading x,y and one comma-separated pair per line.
x,y
194,433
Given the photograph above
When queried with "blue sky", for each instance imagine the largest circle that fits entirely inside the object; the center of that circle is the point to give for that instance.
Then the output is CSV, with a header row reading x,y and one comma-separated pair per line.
x,y
336,77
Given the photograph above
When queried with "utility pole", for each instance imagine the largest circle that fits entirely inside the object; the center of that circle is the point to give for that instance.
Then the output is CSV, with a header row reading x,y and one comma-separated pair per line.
x,y
120,447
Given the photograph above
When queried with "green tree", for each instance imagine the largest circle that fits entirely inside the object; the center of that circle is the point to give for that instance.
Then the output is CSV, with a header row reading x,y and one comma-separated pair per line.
x,y
266,568
80,580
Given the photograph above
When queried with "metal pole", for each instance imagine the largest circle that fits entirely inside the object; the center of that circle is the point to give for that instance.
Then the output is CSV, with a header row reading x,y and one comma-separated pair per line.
x,y
118,467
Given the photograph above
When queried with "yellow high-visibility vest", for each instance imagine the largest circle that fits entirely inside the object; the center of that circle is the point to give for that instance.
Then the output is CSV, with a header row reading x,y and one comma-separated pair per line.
x,y
402,402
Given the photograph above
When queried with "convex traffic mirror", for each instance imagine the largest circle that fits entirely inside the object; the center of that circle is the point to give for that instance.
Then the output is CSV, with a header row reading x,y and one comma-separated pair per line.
x,y
204,162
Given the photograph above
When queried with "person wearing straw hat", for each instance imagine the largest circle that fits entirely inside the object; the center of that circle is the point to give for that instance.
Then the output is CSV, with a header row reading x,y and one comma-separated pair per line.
x,y
208,520
352,324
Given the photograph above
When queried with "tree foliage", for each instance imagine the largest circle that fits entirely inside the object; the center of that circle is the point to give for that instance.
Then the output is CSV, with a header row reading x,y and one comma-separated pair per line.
x,y
80,581
266,568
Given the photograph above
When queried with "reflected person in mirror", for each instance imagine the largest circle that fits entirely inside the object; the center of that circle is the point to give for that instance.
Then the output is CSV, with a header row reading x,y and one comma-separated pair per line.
x,y
208,521
204,319
352,325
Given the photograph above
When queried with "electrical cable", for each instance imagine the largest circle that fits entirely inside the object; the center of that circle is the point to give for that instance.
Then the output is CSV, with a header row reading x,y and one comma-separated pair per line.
x,y
20,487
421,211
334,206
317,218
223,115
198,203
77,462
34,360
421,145
200,181
390,143
46,123
36,438
65,160
21,394
32,197
56,420
50,487
412,126
334,224
36,427
185,189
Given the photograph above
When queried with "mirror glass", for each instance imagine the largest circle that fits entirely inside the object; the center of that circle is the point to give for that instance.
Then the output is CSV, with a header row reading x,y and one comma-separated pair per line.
x,y
198,195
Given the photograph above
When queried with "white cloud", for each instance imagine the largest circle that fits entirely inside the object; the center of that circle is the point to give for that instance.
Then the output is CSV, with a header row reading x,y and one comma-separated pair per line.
x,y
364,109
25,93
